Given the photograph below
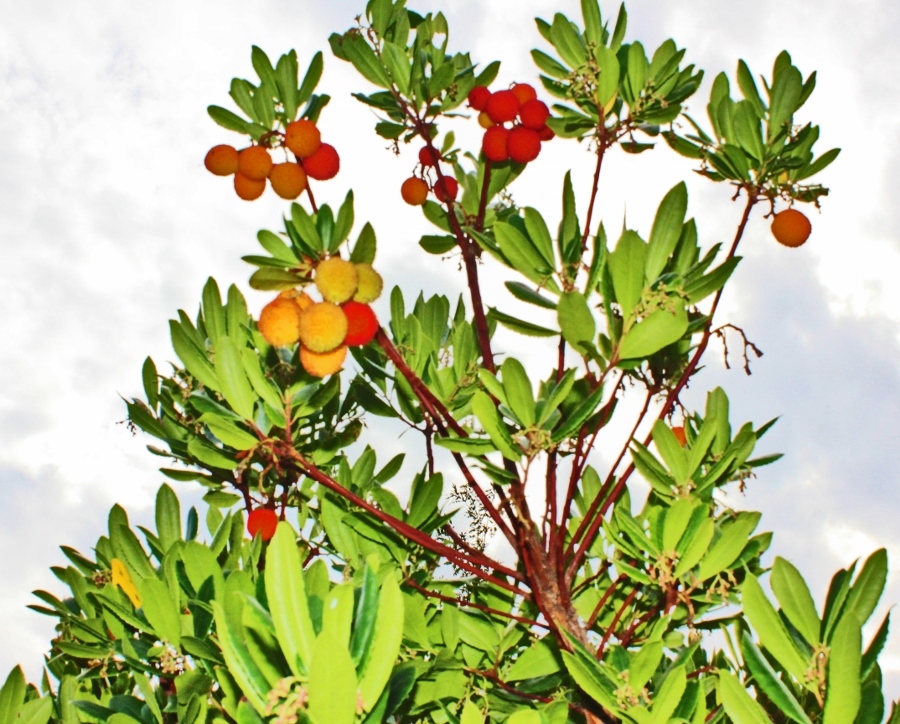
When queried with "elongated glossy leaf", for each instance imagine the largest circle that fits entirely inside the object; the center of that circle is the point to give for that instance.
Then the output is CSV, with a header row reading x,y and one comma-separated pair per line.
x,y
195,361
540,659
240,665
525,293
168,517
725,551
521,253
466,445
738,704
697,548
579,416
795,599
235,386
161,609
666,230
364,60
868,586
699,289
518,390
493,425
674,456
669,696
515,324
287,599
540,235
576,321
588,681
768,680
332,683
36,711
385,647
228,432
658,330
626,265
12,695
262,386
471,714
843,692
227,119
676,522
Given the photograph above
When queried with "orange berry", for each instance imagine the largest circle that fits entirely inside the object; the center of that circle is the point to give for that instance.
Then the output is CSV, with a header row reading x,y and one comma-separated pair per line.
x,y
288,180
484,120
478,97
534,115
791,228
279,322
546,134
323,164
247,188
414,191
446,188
323,327
429,156
361,324
263,521
494,144
222,160
523,144
523,92
302,137
679,435
322,364
255,163
502,106
300,298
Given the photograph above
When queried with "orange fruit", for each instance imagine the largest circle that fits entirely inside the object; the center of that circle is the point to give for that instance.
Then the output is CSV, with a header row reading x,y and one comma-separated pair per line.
x,y
263,521
523,92
255,163
324,164
478,97
791,228
288,180
279,322
302,137
494,144
247,188
502,106
323,327
322,364
679,435
523,144
446,189
414,191
361,324
222,160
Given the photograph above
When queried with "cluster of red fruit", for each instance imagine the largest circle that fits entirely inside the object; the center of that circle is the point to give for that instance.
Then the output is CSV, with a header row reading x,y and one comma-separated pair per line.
x,y
415,190
325,329
253,165
519,106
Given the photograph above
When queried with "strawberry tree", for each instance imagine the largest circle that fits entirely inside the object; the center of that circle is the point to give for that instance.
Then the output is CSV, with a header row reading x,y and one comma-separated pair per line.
x,y
350,603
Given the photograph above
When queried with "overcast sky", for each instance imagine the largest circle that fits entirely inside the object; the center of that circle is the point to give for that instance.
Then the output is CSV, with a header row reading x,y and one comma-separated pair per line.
x,y
110,224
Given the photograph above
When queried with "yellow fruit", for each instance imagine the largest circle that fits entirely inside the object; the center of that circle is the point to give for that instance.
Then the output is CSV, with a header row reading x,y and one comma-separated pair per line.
x,y
322,364
323,327
336,280
288,180
370,284
485,121
279,322
791,228
300,298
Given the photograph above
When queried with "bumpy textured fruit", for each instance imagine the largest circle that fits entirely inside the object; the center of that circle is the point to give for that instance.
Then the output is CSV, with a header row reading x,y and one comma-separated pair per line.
x,y
222,160
478,97
361,324
494,144
324,164
446,188
302,137
414,191
523,144
288,180
484,120
429,156
679,435
523,92
322,364
279,322
791,228
300,298
262,521
247,188
370,284
336,279
534,115
502,106
255,163
323,327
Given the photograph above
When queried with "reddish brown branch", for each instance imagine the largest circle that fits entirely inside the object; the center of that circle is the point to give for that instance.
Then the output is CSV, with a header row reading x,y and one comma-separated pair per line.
x,y
603,599
471,604
615,621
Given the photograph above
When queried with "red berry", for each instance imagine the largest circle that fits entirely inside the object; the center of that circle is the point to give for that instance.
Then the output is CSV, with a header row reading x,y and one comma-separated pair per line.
x,y
523,144
429,156
361,324
502,106
263,521
323,164
534,115
524,92
478,97
446,188
494,144
546,134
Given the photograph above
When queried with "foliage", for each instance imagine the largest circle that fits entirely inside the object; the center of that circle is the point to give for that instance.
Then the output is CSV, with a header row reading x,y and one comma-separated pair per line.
x,y
362,608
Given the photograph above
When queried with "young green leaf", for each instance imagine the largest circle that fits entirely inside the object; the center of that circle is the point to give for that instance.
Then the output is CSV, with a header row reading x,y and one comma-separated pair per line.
x,y
385,648
626,265
768,680
869,585
796,601
738,704
666,230
660,329
12,695
168,517
843,691
493,425
332,683
576,321
235,387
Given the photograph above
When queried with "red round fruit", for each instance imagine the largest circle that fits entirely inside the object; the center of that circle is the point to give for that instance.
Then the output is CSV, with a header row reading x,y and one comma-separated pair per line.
x,y
502,106
494,144
478,97
523,144
263,521
361,324
429,156
524,92
546,134
446,188
534,115
323,164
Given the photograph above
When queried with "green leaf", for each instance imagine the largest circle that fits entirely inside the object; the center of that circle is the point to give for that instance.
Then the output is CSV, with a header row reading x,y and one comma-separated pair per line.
x,y
12,695
520,325
286,80
228,120
748,88
527,716
876,646
471,714
466,445
768,680
233,382
210,455
728,546
658,330
287,599
493,425
363,58
573,422
772,633
593,25
784,99
311,79
36,711
674,456
161,609
699,289
567,42
669,695
576,321
541,659
738,704
213,312
588,680
262,386
365,247
843,693
437,244
168,517
306,227
608,83
676,521
150,379
332,683
521,253
796,601
524,293
869,585
518,390
263,66
195,361
398,64
385,648
540,235
666,231
229,433
626,265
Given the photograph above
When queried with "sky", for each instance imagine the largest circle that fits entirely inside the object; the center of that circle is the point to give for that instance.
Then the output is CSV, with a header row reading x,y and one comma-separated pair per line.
x,y
110,224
